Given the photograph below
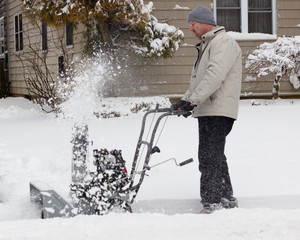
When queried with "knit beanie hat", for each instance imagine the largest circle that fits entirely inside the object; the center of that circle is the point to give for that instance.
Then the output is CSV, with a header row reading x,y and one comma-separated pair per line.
x,y
202,15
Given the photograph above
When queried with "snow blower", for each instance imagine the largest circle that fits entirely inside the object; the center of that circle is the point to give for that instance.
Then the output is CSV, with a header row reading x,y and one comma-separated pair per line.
x,y
97,192
111,185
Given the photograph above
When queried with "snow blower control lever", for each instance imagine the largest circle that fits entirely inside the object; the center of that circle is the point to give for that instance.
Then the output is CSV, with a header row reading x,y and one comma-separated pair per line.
x,y
110,185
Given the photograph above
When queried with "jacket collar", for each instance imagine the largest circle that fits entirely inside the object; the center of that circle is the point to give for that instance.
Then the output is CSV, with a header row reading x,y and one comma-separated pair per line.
x,y
207,37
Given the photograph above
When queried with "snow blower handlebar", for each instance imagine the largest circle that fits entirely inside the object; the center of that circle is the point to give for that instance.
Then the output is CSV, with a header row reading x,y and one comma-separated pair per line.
x,y
134,188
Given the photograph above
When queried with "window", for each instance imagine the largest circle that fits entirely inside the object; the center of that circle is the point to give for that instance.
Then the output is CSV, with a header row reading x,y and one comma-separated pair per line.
x,y
18,33
260,16
44,37
69,34
61,66
2,38
229,14
246,16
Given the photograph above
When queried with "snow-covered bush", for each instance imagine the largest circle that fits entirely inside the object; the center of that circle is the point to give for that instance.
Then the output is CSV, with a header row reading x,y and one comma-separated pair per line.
x,y
161,39
128,23
280,58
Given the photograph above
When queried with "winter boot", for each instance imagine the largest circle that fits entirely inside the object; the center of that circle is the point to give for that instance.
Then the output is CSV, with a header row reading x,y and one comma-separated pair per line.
x,y
209,208
230,202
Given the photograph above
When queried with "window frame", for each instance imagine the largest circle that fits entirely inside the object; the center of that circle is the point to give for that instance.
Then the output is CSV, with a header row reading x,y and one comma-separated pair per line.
x,y
18,33
2,37
244,16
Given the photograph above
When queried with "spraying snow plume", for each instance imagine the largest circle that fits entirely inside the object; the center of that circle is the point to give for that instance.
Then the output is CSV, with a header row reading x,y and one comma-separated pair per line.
x,y
90,92
84,91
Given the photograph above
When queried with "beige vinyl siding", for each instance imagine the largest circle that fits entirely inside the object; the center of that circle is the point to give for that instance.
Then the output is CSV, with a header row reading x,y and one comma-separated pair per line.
x,y
288,17
171,76
32,35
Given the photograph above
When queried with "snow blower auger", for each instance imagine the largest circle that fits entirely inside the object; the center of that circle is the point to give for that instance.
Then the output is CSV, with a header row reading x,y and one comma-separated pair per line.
x,y
110,185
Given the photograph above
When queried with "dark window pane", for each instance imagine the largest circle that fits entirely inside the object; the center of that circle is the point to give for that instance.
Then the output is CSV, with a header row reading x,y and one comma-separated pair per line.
x,y
260,22
18,33
260,16
260,4
17,42
2,30
61,66
44,37
230,19
21,41
229,14
69,34
20,23
228,3
16,24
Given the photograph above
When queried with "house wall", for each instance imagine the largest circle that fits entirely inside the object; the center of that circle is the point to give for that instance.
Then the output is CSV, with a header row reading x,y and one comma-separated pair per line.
x,y
4,81
288,17
32,38
169,77
3,8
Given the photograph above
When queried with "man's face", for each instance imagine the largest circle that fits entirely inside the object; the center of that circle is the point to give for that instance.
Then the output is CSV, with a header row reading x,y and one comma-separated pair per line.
x,y
199,29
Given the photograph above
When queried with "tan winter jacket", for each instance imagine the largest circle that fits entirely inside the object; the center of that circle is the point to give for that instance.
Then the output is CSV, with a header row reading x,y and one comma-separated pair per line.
x,y
216,77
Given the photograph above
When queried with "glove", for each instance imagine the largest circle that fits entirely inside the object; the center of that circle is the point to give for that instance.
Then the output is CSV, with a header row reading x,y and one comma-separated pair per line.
x,y
178,104
187,107
187,114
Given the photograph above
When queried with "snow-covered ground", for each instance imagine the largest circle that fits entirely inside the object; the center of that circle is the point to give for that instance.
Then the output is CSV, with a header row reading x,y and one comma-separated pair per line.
x,y
263,155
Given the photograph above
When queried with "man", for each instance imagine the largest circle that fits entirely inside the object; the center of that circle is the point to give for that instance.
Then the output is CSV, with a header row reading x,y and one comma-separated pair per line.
x,y
214,98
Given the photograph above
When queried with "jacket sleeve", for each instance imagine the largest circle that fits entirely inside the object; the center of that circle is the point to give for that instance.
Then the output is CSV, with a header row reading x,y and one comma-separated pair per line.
x,y
187,95
222,56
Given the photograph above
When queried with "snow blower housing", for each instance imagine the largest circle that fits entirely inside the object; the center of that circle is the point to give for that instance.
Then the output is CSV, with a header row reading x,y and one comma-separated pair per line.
x,y
109,185
106,187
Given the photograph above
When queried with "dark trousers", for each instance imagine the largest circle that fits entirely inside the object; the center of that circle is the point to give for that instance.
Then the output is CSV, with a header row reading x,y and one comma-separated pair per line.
x,y
215,180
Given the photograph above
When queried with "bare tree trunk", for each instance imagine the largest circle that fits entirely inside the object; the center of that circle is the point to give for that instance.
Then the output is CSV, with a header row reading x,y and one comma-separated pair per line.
x,y
276,86
104,30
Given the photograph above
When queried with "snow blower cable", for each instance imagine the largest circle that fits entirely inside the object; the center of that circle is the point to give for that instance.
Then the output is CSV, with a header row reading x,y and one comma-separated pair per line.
x,y
163,126
159,135
143,148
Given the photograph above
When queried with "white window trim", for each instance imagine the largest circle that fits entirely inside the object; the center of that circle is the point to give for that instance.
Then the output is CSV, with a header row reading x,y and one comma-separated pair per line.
x,y
274,17
244,16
